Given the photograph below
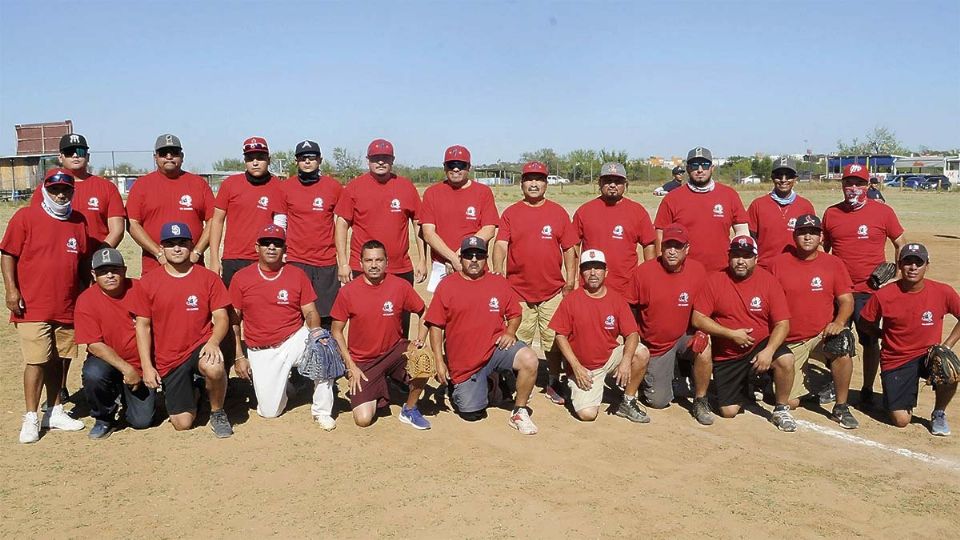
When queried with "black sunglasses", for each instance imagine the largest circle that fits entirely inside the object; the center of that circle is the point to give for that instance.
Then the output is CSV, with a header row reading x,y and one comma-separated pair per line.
x,y
456,164
75,152
699,165
169,152
175,242
267,242
474,256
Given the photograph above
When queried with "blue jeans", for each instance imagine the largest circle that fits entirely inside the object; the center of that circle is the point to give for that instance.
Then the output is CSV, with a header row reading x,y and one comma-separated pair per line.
x,y
103,384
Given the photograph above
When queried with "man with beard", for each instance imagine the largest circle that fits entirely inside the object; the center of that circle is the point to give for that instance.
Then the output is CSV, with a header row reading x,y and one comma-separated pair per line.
x,y
772,216
856,230
615,225
308,200
707,209
251,199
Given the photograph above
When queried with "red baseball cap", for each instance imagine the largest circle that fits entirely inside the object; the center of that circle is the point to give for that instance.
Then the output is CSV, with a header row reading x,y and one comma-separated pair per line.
x,y
535,167
744,243
380,147
272,231
255,144
456,153
855,170
676,232
58,176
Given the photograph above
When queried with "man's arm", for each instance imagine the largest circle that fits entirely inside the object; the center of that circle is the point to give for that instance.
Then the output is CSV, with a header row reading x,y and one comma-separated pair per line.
x,y
115,226
421,330
140,236
487,232
954,335
215,237
741,229
509,336
8,265
311,316
898,244
436,345
241,365
131,377
499,265
210,353
570,266
650,251
740,336
201,244
581,375
658,249
344,272
437,244
763,359
420,266
144,345
844,311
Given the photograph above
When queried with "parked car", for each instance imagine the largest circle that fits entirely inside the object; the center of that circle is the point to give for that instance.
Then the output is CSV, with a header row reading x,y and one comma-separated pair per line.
x,y
910,181
554,179
937,180
752,179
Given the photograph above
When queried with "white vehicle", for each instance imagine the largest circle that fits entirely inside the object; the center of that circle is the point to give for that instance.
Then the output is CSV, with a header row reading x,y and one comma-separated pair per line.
x,y
752,179
554,179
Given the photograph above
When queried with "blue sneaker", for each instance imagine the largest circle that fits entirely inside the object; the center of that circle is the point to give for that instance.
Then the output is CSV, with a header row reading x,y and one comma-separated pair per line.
x,y
413,418
939,425
101,430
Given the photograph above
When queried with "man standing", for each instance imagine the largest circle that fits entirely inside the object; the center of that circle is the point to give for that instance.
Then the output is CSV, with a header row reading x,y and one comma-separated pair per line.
x,y
168,194
615,225
772,216
589,322
814,283
182,321
107,326
663,290
873,192
707,209
308,200
373,304
535,242
673,184
474,316
856,230
273,300
745,311
250,199
911,312
453,210
41,252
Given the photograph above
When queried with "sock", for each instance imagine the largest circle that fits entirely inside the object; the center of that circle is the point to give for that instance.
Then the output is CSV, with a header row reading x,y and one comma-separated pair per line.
x,y
629,399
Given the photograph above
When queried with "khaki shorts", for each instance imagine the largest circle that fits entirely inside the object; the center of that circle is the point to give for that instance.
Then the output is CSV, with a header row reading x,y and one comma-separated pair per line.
x,y
583,399
39,340
535,319
803,352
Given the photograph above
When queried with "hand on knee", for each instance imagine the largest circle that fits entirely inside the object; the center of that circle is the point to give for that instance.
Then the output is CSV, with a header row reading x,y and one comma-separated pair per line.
x,y
212,373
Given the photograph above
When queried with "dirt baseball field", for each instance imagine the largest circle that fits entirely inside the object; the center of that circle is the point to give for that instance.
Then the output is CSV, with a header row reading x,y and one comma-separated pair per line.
x,y
667,479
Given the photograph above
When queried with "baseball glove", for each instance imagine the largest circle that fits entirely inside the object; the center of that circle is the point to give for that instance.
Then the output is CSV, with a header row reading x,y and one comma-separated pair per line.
x,y
420,363
883,273
321,360
943,366
841,344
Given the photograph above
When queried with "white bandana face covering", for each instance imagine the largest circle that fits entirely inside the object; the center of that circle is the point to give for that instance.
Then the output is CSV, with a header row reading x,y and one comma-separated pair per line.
x,y
56,210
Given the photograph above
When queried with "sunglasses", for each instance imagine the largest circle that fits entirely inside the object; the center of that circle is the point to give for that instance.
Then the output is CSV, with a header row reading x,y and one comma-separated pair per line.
x,y
612,180
784,176
267,242
699,165
169,152
175,242
104,270
256,156
456,164
474,256
307,157
75,152
380,159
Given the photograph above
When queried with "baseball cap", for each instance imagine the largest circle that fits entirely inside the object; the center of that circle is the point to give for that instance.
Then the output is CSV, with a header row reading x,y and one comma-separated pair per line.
x,y
855,170
914,250
107,257
677,232
744,243
807,221
535,167
173,230
474,243
700,153
612,168
307,147
380,147
785,162
592,256
73,140
677,170
167,141
272,231
58,176
255,144
456,153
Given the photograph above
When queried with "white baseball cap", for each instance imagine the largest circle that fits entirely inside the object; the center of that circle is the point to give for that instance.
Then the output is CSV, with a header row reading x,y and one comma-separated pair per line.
x,y
592,256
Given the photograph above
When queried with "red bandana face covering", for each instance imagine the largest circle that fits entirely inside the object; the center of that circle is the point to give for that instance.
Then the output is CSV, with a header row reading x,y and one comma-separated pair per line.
x,y
855,196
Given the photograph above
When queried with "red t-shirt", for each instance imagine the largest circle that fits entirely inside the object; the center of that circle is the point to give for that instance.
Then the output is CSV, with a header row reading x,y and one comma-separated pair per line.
x,y
664,300
811,288
538,236
757,302
615,230
473,315
180,309
155,199
592,325
309,210
708,217
772,225
48,253
912,321
457,212
97,199
375,314
270,307
380,211
103,319
249,209
859,237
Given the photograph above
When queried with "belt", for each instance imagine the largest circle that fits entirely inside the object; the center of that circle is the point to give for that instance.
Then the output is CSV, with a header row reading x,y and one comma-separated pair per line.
x,y
274,346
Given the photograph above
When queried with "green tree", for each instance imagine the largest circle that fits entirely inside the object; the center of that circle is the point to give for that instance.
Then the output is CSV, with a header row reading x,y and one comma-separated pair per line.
x,y
762,167
881,140
345,164
283,163
122,169
229,165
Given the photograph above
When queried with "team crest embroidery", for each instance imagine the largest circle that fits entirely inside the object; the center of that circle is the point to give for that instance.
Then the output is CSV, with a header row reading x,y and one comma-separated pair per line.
x,y
926,319
855,168
186,202
471,212
318,203
263,202
683,300
75,139
473,240
792,223
175,229
618,232
756,304
283,297
71,245
93,203
494,304
395,205
193,303
546,232
610,323
698,152
863,231
718,210
388,309
816,284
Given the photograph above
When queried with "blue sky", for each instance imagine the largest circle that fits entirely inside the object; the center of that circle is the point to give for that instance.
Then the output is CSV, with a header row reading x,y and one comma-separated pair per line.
x,y
651,78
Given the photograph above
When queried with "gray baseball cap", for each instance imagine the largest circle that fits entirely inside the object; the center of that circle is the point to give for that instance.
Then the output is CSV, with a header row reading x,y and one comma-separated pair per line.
x,y
612,168
785,162
167,141
700,153
107,257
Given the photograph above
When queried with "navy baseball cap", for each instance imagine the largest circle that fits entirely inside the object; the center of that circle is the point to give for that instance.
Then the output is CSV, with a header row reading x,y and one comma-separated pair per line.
x,y
174,230
474,243
58,176
914,250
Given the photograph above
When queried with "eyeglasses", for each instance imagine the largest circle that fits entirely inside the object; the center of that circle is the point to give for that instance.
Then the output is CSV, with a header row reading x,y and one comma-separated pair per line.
x,y
256,156
474,256
104,270
699,165
380,159
308,157
784,176
169,152
75,152
612,180
267,242
456,164
175,242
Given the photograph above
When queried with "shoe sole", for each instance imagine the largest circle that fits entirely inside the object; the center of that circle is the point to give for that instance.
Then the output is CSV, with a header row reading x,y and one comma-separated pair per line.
x,y
48,428
841,424
709,422
29,442
941,434
643,420
101,437
516,427
407,421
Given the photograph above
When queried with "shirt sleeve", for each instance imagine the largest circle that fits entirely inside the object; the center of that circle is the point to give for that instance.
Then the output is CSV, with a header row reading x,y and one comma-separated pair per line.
x,y
219,298
307,294
236,294
15,235
437,312
427,212
340,311
223,195
209,202
753,217
135,201
560,322
489,215
86,324
568,236
512,309
872,311
706,299
141,302
635,293
779,309
503,233
739,213
893,226
952,301
344,207
645,233
412,303
415,202
628,325
578,224
842,283
115,202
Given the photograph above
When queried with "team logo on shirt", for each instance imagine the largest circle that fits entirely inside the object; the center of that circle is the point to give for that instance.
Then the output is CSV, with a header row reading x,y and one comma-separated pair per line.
x,y
816,284
718,210
618,232
318,203
395,205
756,304
471,212
283,297
494,304
683,300
186,202
193,303
610,323
546,232
388,309
863,232
926,319
263,202
71,245
791,223
93,203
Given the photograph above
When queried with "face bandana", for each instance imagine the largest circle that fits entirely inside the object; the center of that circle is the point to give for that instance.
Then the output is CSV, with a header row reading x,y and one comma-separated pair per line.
x,y
257,181
783,201
706,188
56,210
307,178
855,196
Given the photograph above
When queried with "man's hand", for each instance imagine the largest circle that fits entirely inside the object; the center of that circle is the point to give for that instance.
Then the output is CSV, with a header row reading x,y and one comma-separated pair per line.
x,y
623,373
833,329
420,272
242,368
194,257
15,302
354,376
741,336
151,377
215,266
210,354
506,340
442,376
762,361
582,377
131,377
568,287
344,273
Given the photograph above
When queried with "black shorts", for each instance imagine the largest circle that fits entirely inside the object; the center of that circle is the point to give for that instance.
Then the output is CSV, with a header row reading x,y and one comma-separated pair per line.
x,y
229,267
732,377
901,385
325,284
864,338
178,384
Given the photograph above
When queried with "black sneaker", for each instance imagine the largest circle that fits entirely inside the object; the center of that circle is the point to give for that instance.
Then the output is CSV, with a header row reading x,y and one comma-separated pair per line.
x,y
701,411
101,430
842,415
866,399
220,424
64,396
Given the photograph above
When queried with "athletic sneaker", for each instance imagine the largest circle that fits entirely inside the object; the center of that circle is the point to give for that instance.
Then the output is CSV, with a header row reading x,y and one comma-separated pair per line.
x,y
633,411
828,394
866,399
553,395
30,430
701,411
783,419
938,423
326,422
842,415
220,424
413,418
101,430
520,419
57,418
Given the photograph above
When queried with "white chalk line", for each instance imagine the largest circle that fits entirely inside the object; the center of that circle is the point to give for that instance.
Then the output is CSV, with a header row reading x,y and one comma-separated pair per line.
x,y
843,436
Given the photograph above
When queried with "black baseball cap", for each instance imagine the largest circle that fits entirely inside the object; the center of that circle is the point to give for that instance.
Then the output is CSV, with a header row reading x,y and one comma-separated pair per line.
x,y
473,243
807,221
73,140
678,170
914,250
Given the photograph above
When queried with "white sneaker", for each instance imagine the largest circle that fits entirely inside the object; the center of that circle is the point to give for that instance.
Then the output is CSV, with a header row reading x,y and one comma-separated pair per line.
x,y
326,422
521,421
30,430
57,418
